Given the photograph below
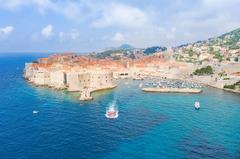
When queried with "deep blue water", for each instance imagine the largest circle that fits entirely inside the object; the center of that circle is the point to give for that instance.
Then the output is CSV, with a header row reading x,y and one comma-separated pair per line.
x,y
150,125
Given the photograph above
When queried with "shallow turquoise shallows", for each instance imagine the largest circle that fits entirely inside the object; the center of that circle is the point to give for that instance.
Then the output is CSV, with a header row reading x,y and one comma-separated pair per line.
x,y
150,125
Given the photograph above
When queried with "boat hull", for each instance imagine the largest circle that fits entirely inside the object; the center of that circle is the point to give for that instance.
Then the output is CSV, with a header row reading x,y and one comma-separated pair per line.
x,y
111,116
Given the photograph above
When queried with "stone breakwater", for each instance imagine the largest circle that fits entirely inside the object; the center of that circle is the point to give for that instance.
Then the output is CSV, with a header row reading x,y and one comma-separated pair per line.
x,y
172,90
232,90
82,81
86,93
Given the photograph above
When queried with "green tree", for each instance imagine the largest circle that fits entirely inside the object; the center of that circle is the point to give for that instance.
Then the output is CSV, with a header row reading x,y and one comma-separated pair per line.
x,y
204,71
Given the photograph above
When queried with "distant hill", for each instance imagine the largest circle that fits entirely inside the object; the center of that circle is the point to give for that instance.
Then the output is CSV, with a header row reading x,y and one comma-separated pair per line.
x,y
125,49
121,47
126,46
233,35
229,39
217,48
128,51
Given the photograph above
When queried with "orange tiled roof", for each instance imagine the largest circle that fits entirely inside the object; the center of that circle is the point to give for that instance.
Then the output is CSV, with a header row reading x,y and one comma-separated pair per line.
x,y
236,74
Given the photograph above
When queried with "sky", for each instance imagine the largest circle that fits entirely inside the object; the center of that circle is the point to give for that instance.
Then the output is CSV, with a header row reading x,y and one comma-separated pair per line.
x,y
92,25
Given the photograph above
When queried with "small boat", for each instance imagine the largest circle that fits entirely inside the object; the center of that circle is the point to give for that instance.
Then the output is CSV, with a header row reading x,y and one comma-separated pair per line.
x,y
35,112
111,112
197,105
140,85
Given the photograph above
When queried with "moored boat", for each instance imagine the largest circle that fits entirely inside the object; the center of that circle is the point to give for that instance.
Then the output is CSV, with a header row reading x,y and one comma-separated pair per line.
x,y
197,105
35,112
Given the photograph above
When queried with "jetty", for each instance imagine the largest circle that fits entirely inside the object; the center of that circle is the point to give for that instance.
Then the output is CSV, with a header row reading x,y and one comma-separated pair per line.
x,y
85,95
232,90
173,90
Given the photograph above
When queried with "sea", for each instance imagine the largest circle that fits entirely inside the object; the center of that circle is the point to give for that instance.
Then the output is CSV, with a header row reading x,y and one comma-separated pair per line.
x,y
149,126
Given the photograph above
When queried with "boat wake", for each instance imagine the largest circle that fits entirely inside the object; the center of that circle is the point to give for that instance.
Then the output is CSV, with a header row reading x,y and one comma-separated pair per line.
x,y
197,105
112,111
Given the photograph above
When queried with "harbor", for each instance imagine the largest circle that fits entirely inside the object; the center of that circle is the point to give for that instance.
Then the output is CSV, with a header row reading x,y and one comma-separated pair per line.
x,y
111,79
170,86
172,90
58,123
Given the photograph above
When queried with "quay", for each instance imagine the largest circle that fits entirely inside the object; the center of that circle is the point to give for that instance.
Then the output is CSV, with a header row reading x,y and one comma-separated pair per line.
x,y
231,90
85,94
173,90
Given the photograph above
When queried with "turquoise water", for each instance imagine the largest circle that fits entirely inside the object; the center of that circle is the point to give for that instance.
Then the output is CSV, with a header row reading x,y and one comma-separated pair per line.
x,y
150,125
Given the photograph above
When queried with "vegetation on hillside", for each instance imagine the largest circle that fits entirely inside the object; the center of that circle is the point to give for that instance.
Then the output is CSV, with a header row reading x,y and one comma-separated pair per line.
x,y
230,40
104,54
218,55
154,49
190,52
233,86
204,71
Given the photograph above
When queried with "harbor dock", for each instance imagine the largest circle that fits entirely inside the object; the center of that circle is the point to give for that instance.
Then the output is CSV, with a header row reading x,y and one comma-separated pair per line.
x,y
173,90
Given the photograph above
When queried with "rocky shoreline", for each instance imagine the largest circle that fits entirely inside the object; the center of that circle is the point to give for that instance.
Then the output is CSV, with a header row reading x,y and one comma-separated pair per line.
x,y
85,74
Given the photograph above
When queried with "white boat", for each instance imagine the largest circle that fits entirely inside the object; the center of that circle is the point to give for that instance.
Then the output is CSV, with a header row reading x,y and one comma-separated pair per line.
x,y
197,105
140,85
35,112
111,112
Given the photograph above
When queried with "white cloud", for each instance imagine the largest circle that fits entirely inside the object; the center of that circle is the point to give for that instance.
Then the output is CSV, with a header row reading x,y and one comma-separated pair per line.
x,y
171,33
6,31
12,4
220,3
201,20
121,15
187,34
152,35
118,37
73,35
173,29
47,31
69,9
137,22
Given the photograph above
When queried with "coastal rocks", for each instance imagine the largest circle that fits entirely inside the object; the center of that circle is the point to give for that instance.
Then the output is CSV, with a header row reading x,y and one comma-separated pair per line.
x,y
85,95
137,78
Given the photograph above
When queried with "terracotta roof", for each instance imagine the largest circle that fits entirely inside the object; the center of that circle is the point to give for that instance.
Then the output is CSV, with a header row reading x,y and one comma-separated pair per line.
x,y
236,74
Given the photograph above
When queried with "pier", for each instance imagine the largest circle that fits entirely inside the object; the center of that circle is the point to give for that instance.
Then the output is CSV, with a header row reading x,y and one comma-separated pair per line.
x,y
172,90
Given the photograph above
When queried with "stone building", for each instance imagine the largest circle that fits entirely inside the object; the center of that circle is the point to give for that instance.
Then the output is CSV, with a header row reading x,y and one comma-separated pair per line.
x,y
77,81
44,75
